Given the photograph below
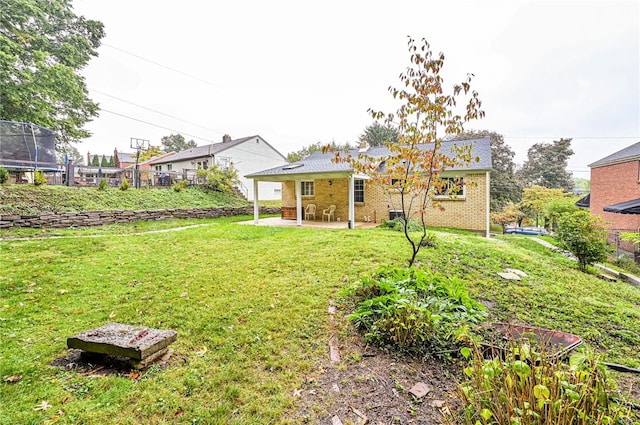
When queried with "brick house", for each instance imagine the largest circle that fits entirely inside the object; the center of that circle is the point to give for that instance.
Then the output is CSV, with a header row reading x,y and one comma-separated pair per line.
x,y
615,193
319,181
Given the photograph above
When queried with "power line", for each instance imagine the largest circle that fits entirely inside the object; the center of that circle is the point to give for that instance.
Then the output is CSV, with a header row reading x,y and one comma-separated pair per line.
x,y
155,125
209,141
166,67
156,111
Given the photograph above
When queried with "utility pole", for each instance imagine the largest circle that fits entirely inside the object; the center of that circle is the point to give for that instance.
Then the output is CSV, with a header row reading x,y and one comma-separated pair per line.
x,y
139,145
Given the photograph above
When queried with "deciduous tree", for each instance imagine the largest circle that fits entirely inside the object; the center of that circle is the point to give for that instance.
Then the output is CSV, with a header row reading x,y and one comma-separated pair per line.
x,y
546,165
176,143
424,119
69,152
506,187
585,236
535,198
43,46
314,147
511,213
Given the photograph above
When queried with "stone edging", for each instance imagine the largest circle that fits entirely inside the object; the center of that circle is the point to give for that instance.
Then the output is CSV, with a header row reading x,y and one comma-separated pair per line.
x,y
99,218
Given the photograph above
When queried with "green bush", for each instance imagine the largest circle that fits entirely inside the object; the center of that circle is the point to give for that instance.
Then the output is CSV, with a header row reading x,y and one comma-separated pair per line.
x,y
4,175
530,387
39,178
416,311
179,186
398,225
585,236
103,184
218,179
124,185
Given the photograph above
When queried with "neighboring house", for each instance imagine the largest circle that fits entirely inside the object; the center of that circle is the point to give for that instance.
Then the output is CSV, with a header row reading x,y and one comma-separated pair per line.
x,y
320,181
149,172
246,155
615,193
125,168
123,160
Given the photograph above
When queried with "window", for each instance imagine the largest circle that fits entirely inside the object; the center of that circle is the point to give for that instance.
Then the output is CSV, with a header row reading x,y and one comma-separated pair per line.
x,y
169,167
451,187
358,190
307,188
203,164
223,162
158,167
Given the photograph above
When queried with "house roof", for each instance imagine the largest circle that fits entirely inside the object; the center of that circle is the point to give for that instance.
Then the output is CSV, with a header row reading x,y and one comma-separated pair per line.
x,y
626,207
630,153
321,163
208,150
126,157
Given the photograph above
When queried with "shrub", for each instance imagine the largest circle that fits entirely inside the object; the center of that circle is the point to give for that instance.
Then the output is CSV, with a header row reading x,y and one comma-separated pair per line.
x,y
585,236
179,186
124,185
417,312
39,178
103,184
398,225
529,387
4,175
218,179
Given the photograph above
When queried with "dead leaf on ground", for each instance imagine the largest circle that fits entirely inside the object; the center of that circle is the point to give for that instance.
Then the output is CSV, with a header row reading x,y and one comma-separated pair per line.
x,y
44,405
178,412
13,379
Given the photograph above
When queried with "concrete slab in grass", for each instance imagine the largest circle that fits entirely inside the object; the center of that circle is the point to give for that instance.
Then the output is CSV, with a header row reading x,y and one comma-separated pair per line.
x,y
135,342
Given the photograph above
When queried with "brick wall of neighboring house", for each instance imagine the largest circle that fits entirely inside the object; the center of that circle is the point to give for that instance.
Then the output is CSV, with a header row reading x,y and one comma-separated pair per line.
x,y
613,184
468,212
99,218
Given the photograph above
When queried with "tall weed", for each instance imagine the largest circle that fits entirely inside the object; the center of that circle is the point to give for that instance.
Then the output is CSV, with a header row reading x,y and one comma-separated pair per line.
x,y
529,386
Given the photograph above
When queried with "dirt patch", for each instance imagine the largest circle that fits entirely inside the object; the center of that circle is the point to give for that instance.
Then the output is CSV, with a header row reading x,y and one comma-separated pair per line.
x,y
375,383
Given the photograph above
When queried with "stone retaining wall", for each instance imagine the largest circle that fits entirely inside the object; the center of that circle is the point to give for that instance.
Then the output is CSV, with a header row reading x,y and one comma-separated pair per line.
x,y
98,218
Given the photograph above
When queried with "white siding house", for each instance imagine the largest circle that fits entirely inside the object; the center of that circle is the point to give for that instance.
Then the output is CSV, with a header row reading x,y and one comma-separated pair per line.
x,y
247,155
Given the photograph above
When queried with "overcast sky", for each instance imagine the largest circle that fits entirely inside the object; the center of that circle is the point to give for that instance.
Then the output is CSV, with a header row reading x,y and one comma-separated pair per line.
x,y
299,72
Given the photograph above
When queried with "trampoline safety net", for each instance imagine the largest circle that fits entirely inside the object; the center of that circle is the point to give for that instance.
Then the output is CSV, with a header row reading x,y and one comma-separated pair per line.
x,y
27,146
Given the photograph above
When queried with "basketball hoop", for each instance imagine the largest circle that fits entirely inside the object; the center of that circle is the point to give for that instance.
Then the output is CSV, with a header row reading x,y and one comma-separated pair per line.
x,y
139,144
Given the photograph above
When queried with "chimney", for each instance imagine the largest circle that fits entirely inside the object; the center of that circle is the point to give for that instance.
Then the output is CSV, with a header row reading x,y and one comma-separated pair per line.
x,y
226,138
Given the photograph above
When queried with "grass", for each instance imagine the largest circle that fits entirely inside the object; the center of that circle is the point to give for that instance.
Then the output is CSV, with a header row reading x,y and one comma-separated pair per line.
x,y
29,199
250,307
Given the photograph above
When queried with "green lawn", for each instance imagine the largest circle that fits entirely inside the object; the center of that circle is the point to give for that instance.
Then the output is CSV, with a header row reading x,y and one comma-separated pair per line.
x,y
250,307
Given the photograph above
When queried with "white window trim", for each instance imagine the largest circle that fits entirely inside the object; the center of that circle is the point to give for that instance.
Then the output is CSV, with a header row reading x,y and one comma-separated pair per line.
x,y
313,188
363,191
460,195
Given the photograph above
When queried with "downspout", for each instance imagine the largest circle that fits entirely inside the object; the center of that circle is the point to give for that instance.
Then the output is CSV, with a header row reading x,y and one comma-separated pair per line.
x,y
488,204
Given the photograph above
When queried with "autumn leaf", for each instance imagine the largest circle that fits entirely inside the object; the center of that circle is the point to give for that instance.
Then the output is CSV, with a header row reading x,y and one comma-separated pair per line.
x,y
178,412
13,379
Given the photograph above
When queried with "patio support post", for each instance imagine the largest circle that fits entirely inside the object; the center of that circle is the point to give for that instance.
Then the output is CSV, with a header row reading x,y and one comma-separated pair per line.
x,y
256,208
299,202
352,212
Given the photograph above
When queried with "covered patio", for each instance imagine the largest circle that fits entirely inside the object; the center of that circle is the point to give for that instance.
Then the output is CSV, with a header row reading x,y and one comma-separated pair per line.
x,y
317,171
280,222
